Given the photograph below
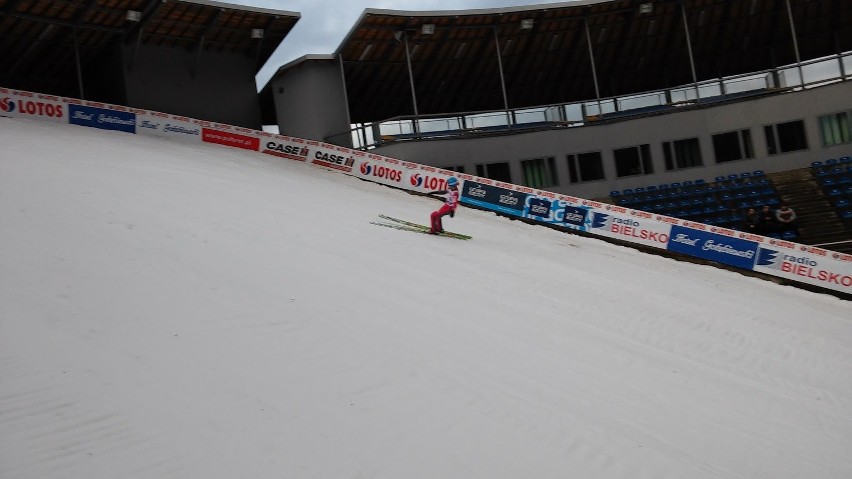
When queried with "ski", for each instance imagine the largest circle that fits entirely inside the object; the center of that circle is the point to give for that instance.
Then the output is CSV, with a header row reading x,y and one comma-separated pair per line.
x,y
415,225
415,228
408,223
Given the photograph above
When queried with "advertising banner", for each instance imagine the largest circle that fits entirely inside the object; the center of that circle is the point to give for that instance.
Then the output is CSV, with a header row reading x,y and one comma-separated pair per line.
x,y
806,264
167,126
575,217
712,246
633,228
336,158
20,104
494,198
228,138
105,119
427,179
290,149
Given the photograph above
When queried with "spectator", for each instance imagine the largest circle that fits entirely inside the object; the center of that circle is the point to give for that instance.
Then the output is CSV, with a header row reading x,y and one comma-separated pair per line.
x,y
768,222
752,221
787,219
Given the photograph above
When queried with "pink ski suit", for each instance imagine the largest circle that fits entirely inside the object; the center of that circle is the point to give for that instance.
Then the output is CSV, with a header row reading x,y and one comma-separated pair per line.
x,y
451,201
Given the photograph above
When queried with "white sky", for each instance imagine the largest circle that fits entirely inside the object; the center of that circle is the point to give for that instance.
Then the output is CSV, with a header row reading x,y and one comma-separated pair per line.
x,y
177,311
324,23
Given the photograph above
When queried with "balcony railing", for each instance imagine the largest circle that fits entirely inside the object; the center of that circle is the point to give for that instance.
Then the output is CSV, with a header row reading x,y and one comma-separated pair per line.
x,y
808,74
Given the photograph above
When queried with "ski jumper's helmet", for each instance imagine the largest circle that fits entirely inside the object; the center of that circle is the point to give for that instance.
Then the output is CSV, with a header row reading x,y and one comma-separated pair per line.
x,y
452,181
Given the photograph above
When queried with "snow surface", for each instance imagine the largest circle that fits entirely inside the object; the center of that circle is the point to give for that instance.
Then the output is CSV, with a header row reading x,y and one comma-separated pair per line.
x,y
188,311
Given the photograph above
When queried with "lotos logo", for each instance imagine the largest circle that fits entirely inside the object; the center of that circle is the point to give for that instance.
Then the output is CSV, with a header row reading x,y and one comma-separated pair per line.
x,y
428,182
7,105
29,107
381,172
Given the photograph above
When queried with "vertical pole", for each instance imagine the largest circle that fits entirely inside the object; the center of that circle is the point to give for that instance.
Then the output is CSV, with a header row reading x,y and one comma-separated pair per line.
x,y
502,78
411,82
79,67
689,49
795,43
594,71
346,101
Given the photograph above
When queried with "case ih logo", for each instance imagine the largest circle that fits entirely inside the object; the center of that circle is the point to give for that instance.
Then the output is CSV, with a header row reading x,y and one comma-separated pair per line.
x,y
29,107
428,182
379,171
291,152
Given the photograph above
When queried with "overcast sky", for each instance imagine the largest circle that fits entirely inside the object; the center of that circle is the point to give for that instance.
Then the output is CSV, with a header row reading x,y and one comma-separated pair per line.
x,y
324,23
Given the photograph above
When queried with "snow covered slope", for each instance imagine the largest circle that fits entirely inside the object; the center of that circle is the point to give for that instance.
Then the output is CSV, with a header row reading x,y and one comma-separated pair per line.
x,y
175,311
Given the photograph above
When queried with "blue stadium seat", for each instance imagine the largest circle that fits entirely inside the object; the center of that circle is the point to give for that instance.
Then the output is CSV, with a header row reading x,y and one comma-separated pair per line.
x,y
651,188
846,214
663,186
846,159
841,203
788,236
759,173
720,179
834,192
773,201
831,161
628,191
816,164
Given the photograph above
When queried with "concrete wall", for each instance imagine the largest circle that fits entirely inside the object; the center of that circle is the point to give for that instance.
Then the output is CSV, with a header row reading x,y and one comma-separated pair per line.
x,y
211,86
701,123
310,101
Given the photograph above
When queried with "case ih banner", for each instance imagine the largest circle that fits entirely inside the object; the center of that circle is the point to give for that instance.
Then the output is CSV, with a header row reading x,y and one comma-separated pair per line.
x,y
793,261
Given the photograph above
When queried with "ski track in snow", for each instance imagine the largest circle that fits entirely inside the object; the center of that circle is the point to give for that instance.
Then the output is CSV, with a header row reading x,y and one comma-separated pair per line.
x,y
172,311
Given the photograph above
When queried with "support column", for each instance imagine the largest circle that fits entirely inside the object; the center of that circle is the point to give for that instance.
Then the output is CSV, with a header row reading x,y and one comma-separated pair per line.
x,y
509,121
594,71
689,49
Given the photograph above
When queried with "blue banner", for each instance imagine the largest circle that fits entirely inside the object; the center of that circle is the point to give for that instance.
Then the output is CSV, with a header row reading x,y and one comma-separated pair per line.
x,y
714,247
538,208
494,198
102,118
575,217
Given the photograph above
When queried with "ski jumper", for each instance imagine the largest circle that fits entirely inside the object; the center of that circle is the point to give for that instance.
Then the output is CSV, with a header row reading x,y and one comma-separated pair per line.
x,y
451,201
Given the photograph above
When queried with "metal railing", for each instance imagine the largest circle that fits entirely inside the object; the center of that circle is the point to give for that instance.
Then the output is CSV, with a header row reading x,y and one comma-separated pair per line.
x,y
808,74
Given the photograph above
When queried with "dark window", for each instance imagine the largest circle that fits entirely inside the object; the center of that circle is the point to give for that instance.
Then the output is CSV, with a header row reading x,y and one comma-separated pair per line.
x,y
585,167
733,146
495,171
785,137
681,154
635,160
